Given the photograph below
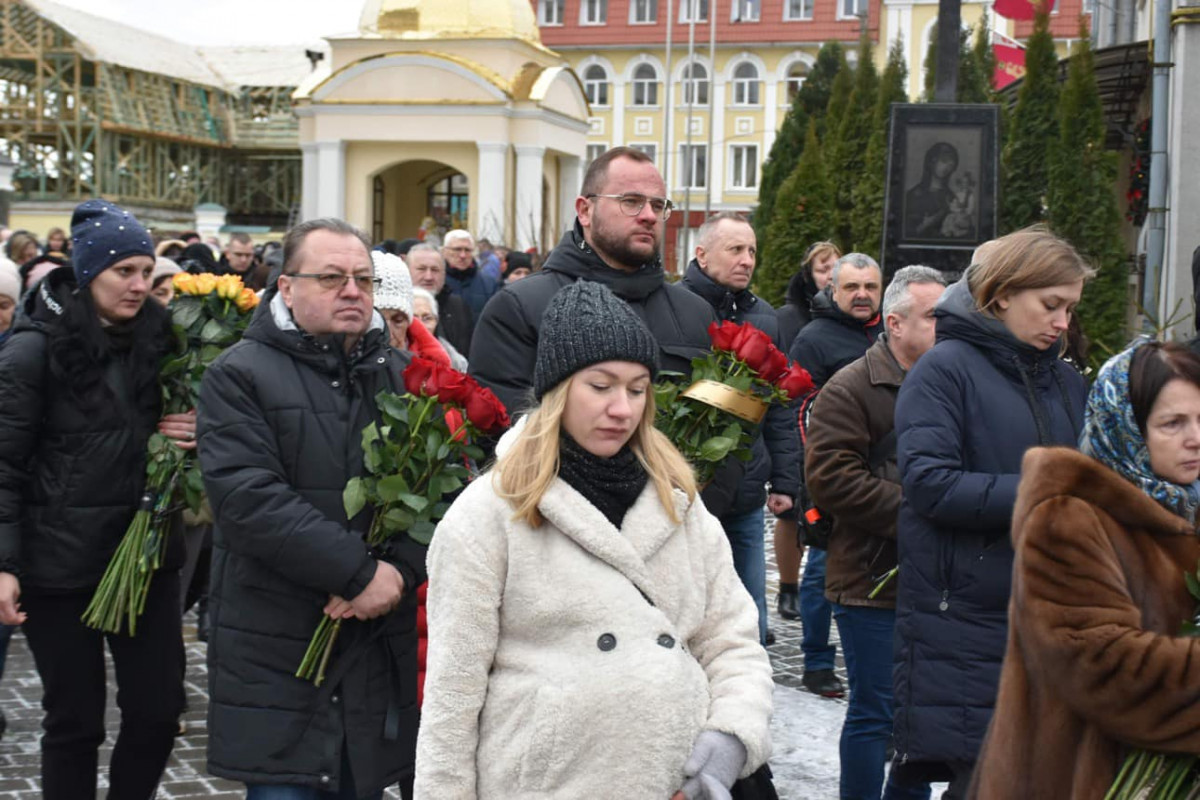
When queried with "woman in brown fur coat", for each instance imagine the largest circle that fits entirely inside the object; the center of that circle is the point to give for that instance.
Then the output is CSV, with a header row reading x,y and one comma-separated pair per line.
x,y
1095,665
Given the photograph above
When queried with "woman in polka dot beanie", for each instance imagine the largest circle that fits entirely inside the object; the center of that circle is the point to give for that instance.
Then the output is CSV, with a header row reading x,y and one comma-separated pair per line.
x,y
80,401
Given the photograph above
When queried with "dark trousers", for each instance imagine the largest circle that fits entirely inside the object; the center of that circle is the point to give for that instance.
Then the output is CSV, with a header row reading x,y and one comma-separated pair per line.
x,y
70,660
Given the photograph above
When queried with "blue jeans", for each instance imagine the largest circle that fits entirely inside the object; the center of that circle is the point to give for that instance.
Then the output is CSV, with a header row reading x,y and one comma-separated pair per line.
x,y
747,539
815,614
867,645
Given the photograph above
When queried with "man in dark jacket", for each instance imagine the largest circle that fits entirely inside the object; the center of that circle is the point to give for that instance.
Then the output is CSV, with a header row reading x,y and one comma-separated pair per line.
x,y
282,416
238,256
463,276
616,239
851,475
845,323
721,274
455,321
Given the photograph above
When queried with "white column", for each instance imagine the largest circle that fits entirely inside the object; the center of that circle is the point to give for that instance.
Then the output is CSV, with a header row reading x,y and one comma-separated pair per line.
x,y
331,179
309,183
1183,192
617,135
770,117
570,181
489,193
717,156
528,222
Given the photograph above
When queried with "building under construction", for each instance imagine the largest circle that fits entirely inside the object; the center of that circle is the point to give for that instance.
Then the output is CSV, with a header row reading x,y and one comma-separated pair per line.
x,y
91,107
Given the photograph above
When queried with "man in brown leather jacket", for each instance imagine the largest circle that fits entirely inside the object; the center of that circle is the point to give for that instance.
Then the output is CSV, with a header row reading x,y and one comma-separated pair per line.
x,y
851,474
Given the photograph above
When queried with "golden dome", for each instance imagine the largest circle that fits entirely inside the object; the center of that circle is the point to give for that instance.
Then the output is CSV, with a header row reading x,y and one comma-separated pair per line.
x,y
450,19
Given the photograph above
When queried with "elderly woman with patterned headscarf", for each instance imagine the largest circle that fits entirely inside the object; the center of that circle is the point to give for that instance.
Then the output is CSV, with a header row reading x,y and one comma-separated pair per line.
x,y
1097,664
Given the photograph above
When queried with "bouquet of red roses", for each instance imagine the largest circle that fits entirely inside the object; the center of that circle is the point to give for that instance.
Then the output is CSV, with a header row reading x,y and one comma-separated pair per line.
x,y
717,415
415,454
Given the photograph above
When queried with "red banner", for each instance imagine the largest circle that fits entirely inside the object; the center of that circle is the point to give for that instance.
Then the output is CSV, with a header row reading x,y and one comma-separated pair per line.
x,y
1010,65
1015,9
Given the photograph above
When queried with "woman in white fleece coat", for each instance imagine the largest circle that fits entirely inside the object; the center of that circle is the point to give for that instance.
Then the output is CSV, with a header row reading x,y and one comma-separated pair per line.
x,y
588,636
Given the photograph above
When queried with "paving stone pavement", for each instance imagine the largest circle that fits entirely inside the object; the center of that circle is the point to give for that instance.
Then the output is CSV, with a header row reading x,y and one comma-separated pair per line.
x,y
185,777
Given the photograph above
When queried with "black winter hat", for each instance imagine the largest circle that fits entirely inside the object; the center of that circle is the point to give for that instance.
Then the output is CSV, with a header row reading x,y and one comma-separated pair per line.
x,y
584,324
197,258
102,234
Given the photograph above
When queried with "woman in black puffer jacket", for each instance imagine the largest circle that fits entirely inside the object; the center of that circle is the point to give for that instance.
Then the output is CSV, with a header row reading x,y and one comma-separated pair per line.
x,y
79,398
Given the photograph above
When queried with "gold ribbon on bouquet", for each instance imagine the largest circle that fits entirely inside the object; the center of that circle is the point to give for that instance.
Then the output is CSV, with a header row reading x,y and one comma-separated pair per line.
x,y
743,405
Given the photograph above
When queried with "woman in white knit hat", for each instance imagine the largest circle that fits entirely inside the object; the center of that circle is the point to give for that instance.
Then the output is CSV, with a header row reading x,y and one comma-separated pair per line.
x,y
10,293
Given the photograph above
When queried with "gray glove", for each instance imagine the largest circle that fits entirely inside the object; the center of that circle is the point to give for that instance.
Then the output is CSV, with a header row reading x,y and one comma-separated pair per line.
x,y
715,763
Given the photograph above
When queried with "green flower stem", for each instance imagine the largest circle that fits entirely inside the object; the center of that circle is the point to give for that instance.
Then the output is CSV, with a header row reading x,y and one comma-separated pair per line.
x,y
887,577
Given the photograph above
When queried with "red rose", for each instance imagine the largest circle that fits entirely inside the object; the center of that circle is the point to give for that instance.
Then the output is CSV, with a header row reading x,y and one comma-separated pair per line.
x,y
796,382
416,374
454,421
752,347
485,411
451,386
775,365
723,335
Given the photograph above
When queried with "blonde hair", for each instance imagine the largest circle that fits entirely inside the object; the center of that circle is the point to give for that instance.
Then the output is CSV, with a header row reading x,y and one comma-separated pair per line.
x,y
1031,258
818,251
524,473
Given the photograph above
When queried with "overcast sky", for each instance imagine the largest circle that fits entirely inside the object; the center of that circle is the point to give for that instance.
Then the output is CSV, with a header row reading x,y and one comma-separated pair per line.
x,y
215,22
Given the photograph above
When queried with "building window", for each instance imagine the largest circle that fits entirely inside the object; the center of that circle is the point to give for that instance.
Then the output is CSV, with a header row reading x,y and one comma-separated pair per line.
x,y
594,151
851,9
796,76
689,7
745,85
695,85
643,12
645,86
693,167
797,9
746,11
743,166
446,201
593,12
595,85
650,150
550,12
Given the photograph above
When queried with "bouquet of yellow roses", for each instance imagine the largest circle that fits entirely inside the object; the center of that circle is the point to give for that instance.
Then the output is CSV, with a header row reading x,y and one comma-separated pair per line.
x,y
209,313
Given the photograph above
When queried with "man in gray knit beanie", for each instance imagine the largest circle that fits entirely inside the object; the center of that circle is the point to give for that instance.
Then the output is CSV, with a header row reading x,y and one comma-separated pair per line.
x,y
584,324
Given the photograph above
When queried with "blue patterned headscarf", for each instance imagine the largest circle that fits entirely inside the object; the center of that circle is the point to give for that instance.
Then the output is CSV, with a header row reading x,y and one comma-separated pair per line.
x,y
1112,437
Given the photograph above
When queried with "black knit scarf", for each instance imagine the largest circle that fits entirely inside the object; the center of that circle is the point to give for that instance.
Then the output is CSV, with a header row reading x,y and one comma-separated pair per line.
x,y
610,484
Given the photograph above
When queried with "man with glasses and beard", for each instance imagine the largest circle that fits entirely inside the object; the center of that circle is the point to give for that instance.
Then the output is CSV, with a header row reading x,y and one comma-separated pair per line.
x,y
621,213
281,418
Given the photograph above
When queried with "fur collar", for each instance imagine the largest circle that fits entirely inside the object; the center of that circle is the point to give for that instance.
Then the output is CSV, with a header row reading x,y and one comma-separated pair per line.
x,y
1048,472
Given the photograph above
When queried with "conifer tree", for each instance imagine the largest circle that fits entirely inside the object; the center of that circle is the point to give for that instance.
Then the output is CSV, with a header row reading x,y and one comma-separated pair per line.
x,y
804,213
868,196
1032,128
976,64
839,100
848,147
1083,203
809,104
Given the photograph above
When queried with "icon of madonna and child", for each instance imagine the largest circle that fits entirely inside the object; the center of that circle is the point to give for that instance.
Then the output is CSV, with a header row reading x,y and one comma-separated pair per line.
x,y
943,205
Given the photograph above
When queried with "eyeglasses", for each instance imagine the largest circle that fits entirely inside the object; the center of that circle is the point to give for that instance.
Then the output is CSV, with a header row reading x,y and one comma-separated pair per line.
x,y
336,281
632,204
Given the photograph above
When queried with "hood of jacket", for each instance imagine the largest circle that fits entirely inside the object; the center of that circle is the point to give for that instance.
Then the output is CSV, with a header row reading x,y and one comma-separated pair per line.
x,y
801,290
46,302
959,318
273,325
575,257
725,302
823,307
464,275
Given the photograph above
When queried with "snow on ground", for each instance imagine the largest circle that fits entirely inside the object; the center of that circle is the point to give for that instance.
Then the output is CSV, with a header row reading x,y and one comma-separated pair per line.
x,y
804,734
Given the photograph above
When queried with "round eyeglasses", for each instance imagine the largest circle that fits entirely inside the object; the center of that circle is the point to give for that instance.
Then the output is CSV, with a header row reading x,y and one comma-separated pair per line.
x,y
632,204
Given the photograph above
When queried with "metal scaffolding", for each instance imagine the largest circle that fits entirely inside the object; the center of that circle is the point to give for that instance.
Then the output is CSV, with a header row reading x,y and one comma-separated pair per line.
x,y
79,127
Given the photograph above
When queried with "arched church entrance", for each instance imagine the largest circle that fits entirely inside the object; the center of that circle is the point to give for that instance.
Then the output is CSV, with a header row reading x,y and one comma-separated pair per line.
x,y
417,198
